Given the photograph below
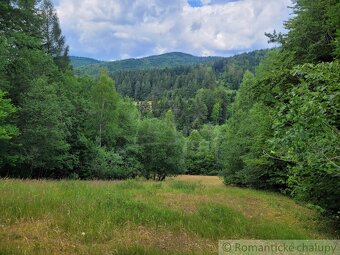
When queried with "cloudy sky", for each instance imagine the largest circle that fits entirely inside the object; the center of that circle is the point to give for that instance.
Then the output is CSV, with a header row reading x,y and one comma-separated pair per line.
x,y
118,29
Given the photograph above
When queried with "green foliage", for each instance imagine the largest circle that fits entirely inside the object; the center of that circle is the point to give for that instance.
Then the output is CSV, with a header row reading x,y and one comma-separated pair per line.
x,y
43,134
103,130
66,126
233,68
106,164
312,31
193,113
8,130
184,81
20,23
307,130
202,151
28,65
105,100
284,131
155,83
161,148
245,145
53,41
216,113
4,61
189,91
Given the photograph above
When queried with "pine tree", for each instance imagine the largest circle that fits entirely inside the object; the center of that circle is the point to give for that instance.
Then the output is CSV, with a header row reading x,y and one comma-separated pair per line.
x,y
53,40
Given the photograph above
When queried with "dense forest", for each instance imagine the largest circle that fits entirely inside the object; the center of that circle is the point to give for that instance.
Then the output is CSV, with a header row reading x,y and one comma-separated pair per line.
x,y
197,95
266,119
92,67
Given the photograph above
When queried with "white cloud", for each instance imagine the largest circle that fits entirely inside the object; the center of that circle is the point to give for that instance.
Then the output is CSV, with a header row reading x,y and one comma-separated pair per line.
x,y
120,28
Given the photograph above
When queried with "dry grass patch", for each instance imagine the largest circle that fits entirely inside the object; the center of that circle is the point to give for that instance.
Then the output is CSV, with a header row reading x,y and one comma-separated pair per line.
x,y
212,181
36,237
166,240
40,237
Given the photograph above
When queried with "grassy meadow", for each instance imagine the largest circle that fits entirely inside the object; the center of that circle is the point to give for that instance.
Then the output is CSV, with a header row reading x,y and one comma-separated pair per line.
x,y
183,215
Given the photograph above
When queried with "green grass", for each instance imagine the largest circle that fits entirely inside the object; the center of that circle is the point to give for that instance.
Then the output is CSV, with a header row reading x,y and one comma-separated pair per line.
x,y
186,186
182,216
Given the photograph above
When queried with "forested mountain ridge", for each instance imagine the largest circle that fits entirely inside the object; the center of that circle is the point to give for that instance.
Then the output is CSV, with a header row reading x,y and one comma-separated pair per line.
x,y
153,83
157,61
78,62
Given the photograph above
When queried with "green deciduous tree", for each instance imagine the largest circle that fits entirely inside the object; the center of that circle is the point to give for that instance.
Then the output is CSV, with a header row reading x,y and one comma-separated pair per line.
x,y
216,113
105,101
161,151
244,142
307,134
202,151
8,130
43,132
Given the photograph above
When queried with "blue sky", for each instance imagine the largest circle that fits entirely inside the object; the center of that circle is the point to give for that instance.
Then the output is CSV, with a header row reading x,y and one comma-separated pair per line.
x,y
195,3
118,29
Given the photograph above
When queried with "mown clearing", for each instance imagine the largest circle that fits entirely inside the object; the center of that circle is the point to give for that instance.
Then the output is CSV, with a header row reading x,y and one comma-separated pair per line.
x,y
183,215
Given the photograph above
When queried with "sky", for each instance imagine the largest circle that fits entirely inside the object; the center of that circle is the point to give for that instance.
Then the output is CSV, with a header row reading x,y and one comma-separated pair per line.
x,y
119,29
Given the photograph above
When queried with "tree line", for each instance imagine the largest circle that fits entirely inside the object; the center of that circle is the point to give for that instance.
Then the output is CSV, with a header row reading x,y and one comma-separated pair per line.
x,y
284,130
56,125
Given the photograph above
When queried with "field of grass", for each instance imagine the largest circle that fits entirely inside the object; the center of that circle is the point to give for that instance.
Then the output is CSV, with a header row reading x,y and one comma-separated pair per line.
x,y
183,215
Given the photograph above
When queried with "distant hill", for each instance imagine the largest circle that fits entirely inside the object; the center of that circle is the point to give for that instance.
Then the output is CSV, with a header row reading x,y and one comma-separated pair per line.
x,y
173,59
185,81
78,62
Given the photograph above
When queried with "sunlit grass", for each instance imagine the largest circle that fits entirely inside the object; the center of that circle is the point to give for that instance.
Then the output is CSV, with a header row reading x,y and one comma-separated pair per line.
x,y
185,215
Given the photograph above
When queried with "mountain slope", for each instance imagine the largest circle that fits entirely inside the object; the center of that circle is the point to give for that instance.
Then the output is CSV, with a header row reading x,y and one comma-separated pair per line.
x,y
184,81
158,61
78,62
